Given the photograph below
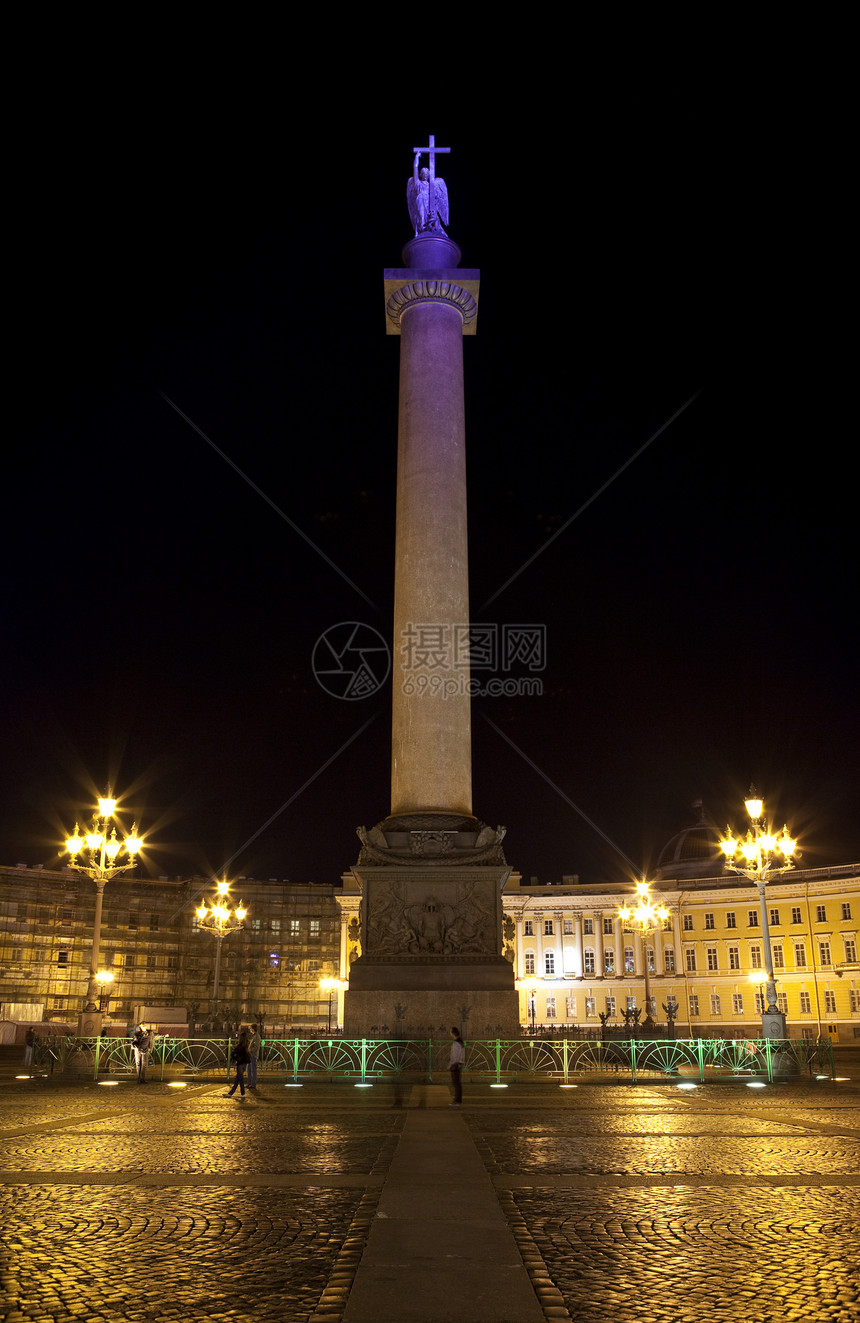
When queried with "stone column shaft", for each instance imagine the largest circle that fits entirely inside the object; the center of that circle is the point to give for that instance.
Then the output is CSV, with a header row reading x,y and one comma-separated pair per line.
x,y
431,762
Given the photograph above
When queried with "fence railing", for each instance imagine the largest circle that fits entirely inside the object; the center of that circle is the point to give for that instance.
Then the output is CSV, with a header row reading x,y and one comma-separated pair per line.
x,y
499,1061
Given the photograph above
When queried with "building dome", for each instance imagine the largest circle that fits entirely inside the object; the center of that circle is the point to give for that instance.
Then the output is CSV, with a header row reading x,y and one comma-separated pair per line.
x,y
692,852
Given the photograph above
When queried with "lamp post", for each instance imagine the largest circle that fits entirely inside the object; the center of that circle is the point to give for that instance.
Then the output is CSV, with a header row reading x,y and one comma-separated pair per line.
x,y
100,850
643,920
329,985
219,921
531,993
759,856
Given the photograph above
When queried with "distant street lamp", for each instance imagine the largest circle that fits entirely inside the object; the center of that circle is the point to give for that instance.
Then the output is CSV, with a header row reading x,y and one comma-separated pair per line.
x,y
330,985
532,996
100,853
759,856
104,978
643,920
219,922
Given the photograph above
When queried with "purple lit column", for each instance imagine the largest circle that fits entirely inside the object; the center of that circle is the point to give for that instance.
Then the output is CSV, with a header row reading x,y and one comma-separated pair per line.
x,y
430,304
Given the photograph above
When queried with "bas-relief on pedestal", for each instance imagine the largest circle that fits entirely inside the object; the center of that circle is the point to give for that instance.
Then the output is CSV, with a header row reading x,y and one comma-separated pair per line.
x,y
431,875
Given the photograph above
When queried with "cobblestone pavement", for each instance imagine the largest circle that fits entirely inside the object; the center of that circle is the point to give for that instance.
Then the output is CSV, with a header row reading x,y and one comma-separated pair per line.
x,y
652,1205
641,1202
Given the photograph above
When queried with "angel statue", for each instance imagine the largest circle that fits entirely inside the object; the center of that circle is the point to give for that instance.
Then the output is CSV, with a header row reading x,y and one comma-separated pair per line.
x,y
427,199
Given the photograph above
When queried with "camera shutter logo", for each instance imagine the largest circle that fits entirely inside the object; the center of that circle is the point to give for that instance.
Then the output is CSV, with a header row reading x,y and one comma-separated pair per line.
x,y
351,660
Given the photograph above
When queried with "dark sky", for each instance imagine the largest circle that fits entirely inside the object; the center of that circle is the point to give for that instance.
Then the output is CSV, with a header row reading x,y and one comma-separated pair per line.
x,y
160,616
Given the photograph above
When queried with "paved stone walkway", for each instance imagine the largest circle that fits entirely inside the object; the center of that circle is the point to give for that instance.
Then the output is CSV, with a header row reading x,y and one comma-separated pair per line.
x,y
330,1203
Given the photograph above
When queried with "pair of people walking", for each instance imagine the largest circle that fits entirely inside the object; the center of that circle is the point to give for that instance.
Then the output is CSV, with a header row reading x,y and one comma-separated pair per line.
x,y
245,1057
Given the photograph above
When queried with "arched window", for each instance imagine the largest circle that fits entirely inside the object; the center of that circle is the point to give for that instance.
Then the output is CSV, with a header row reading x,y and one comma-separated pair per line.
x,y
629,963
549,962
530,962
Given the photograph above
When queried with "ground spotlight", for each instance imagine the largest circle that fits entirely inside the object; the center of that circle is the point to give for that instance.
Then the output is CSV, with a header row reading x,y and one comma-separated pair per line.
x,y
755,1084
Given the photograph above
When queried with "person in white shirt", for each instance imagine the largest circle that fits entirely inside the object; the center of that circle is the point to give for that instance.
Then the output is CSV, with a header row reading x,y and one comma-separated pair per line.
x,y
455,1064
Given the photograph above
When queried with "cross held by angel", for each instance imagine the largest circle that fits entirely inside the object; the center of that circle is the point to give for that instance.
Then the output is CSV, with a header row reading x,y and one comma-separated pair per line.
x,y
427,196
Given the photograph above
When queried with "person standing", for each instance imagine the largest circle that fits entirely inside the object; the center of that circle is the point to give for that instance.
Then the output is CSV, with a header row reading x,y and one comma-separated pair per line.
x,y
29,1044
142,1046
253,1054
241,1057
455,1064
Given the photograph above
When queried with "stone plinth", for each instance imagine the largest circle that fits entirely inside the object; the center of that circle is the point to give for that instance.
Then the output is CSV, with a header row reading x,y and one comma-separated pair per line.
x,y
430,952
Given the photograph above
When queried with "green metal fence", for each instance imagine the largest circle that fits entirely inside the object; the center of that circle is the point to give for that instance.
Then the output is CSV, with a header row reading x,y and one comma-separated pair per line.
x,y
498,1061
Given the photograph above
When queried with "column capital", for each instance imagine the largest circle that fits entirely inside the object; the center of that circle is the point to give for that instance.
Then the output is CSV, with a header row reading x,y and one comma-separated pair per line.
x,y
405,288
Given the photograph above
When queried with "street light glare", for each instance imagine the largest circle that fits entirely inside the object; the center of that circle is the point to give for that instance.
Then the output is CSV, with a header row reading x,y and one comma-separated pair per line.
x,y
107,808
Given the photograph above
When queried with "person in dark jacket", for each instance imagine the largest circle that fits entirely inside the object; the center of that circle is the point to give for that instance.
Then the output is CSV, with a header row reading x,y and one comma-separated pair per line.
x,y
241,1057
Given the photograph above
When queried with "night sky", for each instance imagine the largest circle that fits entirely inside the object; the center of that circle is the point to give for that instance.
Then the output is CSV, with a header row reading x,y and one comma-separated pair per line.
x,y
160,615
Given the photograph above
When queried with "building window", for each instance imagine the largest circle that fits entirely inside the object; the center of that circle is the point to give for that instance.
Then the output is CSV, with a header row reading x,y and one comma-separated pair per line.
x,y
173,962
795,914
547,928
805,1004
709,921
588,927
591,1008
731,919
694,1003
589,962
530,962
66,918
752,919
550,1008
782,1002
820,914
153,923
669,960
774,918
631,1003
62,958
295,927
528,928
132,922
150,963
715,1004
688,923
737,1003
712,958
570,1008
549,962
315,928
734,957
609,961
607,927
274,960
568,927
610,1007
846,909
799,955
629,963
850,949
649,956
759,1003
824,953
691,961
854,1000
667,924
830,1002
778,957
755,957
129,961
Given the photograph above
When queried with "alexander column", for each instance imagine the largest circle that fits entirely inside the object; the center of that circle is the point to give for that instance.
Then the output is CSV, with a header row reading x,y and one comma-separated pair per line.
x,y
430,875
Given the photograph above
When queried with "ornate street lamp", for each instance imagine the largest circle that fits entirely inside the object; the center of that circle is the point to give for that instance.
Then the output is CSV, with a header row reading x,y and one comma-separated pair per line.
x,y
330,985
104,978
219,922
100,852
644,920
759,856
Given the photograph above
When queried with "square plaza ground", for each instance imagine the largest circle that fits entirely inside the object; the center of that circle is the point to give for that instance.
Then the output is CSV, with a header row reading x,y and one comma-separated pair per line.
x,y
600,1202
